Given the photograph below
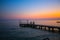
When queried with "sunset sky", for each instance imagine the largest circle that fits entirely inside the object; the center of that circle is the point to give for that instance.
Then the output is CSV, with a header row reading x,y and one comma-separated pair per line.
x,y
16,9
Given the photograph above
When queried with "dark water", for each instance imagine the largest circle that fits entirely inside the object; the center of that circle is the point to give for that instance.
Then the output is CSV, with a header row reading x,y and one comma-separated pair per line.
x,y
10,30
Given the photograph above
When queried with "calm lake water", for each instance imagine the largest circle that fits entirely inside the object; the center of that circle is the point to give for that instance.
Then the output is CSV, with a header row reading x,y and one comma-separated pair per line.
x,y
10,30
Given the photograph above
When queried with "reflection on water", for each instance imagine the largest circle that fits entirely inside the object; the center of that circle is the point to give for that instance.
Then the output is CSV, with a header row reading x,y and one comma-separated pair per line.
x,y
10,30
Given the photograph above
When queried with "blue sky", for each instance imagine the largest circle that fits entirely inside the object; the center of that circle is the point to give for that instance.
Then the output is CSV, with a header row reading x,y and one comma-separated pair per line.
x,y
27,7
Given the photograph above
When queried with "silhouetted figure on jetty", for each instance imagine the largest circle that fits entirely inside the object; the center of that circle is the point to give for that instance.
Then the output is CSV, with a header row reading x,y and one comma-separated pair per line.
x,y
32,22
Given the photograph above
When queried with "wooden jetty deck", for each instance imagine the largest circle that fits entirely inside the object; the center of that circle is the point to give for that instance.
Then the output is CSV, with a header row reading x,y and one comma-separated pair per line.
x,y
37,26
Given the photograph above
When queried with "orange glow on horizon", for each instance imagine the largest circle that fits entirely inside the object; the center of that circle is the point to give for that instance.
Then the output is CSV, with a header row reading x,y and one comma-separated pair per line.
x,y
43,15
46,15
37,15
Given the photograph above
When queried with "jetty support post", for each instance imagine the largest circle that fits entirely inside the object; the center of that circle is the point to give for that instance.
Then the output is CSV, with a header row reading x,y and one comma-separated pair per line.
x,y
48,28
59,29
52,29
40,27
45,27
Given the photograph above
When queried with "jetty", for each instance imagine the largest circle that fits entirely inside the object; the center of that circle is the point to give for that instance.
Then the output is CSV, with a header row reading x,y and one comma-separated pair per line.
x,y
38,26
